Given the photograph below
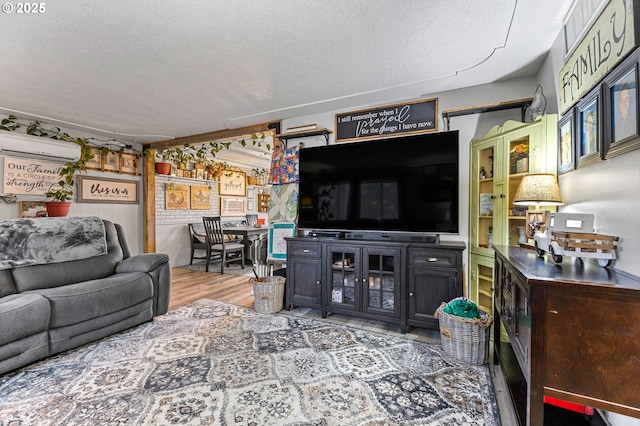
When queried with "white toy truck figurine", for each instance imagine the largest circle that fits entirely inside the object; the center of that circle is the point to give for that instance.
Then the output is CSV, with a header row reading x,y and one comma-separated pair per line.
x,y
571,234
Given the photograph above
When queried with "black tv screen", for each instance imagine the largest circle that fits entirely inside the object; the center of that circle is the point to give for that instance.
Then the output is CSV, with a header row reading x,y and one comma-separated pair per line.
x,y
403,184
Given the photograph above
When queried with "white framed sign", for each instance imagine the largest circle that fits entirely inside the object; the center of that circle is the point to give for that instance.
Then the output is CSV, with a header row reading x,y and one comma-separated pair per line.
x,y
25,176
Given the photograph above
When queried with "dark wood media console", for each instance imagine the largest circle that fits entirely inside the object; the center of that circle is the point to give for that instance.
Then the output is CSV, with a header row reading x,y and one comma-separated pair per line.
x,y
394,281
573,333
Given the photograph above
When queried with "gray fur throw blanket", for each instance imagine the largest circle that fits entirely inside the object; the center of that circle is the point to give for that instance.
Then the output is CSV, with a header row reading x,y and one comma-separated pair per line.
x,y
37,241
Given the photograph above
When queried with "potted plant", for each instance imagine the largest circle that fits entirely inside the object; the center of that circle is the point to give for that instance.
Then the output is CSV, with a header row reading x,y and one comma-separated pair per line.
x,y
201,157
261,175
215,169
167,156
184,155
60,197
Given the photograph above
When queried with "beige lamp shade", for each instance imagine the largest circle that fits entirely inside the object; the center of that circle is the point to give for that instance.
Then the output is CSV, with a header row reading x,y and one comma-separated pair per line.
x,y
538,190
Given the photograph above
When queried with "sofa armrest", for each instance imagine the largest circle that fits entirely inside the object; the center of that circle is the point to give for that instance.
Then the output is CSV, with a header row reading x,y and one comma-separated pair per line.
x,y
142,263
157,266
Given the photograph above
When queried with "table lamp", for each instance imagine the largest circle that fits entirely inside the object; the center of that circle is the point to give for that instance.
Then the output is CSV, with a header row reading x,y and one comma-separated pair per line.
x,y
538,189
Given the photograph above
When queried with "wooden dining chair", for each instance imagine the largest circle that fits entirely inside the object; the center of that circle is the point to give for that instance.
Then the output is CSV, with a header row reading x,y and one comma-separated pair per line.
x,y
197,240
218,248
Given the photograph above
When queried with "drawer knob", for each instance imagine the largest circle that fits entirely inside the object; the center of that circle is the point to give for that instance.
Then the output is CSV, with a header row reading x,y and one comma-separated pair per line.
x,y
411,294
318,282
432,259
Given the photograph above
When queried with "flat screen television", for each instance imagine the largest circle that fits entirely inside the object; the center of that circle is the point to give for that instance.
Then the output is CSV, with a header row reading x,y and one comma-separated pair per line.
x,y
395,185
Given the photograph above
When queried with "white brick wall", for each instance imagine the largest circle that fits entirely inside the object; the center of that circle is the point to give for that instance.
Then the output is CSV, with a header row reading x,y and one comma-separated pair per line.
x,y
172,235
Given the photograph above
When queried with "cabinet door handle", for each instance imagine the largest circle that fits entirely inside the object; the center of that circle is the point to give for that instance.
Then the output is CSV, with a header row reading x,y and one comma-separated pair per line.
x,y
318,282
411,294
305,251
432,259
502,196
493,197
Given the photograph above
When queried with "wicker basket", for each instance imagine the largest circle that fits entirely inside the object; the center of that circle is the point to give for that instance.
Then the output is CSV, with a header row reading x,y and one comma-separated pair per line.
x,y
268,295
465,339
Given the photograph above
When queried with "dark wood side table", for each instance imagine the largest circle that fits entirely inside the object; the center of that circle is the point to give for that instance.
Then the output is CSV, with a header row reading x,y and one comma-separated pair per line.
x,y
574,333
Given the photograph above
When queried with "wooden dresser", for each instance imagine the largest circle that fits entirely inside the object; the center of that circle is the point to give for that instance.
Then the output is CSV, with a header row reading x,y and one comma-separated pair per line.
x,y
573,333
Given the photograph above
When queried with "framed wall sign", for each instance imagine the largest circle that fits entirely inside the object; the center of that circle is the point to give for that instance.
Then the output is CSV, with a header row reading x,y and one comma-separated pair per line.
x,y
231,206
93,189
612,36
233,183
27,176
566,148
399,119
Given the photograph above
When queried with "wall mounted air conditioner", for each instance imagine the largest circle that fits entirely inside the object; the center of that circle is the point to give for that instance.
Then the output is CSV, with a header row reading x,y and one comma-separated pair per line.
x,y
22,145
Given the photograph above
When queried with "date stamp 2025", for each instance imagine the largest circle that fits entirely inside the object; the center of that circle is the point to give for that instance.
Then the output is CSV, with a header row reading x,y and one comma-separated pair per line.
x,y
24,8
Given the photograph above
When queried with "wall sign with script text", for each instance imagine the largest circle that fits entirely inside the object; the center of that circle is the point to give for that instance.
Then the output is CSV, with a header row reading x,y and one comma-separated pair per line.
x,y
405,118
613,35
23,176
103,190
233,183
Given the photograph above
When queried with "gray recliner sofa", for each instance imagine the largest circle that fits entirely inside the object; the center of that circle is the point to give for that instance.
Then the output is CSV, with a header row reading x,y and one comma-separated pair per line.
x,y
50,308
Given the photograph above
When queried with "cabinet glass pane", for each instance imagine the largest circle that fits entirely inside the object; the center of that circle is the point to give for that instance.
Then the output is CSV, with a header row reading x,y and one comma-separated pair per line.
x,y
380,282
518,167
485,288
486,197
343,278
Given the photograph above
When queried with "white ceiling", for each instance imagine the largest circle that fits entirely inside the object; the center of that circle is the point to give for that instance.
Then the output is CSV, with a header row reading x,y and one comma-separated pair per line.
x,y
151,70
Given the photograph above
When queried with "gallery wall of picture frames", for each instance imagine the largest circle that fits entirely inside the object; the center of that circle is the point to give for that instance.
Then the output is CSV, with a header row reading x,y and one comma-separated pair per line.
x,y
187,197
604,123
114,161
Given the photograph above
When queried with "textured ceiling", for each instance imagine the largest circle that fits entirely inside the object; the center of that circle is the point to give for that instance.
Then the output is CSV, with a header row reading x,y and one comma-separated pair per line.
x,y
149,70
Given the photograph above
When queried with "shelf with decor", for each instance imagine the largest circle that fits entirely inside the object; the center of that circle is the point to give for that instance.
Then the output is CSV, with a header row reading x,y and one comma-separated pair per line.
x,y
284,137
499,161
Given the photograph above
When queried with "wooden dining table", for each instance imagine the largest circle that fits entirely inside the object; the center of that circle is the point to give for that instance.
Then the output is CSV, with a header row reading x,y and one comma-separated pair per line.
x,y
246,232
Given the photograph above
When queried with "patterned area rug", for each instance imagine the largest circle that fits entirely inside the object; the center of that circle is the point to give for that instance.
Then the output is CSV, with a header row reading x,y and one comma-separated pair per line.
x,y
211,363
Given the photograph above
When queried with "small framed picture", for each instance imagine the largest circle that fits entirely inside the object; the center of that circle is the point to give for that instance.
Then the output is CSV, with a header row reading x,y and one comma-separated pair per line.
x,y
177,197
200,197
230,206
277,246
621,88
566,148
589,129
96,162
111,162
32,209
128,163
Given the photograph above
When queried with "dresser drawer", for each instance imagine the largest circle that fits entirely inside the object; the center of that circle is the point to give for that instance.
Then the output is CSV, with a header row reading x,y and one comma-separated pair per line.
x,y
304,249
433,258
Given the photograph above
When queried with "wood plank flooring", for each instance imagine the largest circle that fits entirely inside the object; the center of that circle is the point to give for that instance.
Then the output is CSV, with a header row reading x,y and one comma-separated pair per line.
x,y
188,285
